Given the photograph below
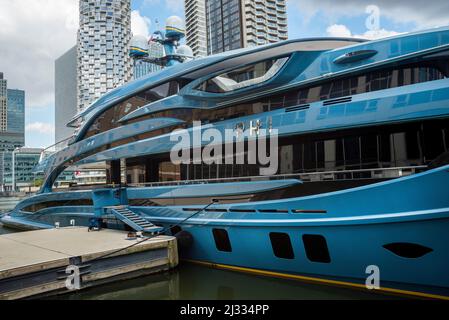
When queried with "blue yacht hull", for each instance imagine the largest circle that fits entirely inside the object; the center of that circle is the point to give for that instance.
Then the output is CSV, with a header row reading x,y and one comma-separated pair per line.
x,y
401,226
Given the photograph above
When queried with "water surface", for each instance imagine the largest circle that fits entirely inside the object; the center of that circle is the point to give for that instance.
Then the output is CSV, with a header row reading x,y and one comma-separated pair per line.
x,y
191,281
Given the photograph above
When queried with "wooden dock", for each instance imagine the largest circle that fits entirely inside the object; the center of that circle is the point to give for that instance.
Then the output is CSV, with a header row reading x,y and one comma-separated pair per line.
x,y
35,263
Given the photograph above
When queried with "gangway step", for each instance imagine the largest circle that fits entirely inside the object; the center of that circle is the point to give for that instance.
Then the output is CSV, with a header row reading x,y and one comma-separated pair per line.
x,y
134,220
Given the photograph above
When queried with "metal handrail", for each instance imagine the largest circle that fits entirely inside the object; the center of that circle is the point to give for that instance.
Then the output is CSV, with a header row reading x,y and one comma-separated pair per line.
x,y
301,176
57,143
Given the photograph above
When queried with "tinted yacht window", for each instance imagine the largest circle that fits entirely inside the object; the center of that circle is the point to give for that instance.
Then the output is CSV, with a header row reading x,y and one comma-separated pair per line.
x,y
110,118
382,79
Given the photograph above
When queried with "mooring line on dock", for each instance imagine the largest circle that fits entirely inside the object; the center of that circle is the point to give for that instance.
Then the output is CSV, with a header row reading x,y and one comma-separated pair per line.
x,y
153,236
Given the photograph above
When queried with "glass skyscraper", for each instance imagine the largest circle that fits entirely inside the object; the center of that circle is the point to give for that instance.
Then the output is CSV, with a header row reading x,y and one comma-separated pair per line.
x,y
16,111
12,126
23,160
224,25
142,68
103,42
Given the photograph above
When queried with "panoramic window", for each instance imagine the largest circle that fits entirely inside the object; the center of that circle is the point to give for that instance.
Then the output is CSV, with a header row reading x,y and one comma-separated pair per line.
x,y
110,118
382,79
243,77
57,203
399,145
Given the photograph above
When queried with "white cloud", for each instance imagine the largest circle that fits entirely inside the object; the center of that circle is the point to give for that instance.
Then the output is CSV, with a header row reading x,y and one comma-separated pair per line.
x,y
32,35
340,30
140,25
40,127
422,15
377,34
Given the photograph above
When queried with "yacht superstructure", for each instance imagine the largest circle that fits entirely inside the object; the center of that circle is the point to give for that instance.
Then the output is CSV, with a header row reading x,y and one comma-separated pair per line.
x,y
362,130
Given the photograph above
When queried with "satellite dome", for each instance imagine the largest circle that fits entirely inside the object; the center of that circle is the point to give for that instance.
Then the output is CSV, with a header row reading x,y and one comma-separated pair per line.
x,y
138,46
174,28
185,51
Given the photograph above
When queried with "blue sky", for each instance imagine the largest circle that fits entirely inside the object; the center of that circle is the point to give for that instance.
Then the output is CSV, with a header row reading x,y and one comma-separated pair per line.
x,y
301,23
39,31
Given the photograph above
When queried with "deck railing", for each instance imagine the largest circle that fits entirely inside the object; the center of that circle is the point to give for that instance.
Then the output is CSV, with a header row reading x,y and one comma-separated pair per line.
x,y
54,148
375,173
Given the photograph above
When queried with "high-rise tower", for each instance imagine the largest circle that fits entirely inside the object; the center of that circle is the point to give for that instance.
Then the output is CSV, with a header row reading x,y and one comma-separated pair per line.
x,y
103,42
265,21
16,111
223,25
195,12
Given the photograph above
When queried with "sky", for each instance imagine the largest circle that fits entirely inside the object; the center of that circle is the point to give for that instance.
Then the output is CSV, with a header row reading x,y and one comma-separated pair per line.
x,y
34,33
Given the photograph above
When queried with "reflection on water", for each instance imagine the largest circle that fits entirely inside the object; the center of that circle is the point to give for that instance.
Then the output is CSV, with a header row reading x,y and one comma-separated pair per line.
x,y
190,281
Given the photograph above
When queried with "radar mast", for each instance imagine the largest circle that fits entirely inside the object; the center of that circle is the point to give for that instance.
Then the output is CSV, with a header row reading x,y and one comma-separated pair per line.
x,y
169,38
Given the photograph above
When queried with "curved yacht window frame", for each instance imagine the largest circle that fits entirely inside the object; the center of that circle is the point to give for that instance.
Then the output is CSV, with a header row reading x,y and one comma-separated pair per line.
x,y
88,126
279,64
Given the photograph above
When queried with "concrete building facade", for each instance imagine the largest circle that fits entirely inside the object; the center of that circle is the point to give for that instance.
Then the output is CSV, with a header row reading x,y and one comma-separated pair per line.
x,y
223,25
66,84
196,37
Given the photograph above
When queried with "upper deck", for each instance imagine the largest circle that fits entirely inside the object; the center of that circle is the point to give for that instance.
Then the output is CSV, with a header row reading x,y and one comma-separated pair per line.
x,y
311,79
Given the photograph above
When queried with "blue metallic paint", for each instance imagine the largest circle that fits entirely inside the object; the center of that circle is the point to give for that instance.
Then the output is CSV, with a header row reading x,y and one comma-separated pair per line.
x,y
356,223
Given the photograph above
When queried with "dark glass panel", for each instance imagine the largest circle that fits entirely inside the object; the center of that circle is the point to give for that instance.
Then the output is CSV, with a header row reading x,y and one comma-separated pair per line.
x,y
57,203
309,156
339,153
369,149
110,118
316,248
384,148
433,142
352,151
320,155
282,245
222,241
413,144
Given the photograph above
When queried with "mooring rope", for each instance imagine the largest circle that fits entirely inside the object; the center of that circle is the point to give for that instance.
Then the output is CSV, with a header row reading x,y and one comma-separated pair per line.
x,y
153,236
